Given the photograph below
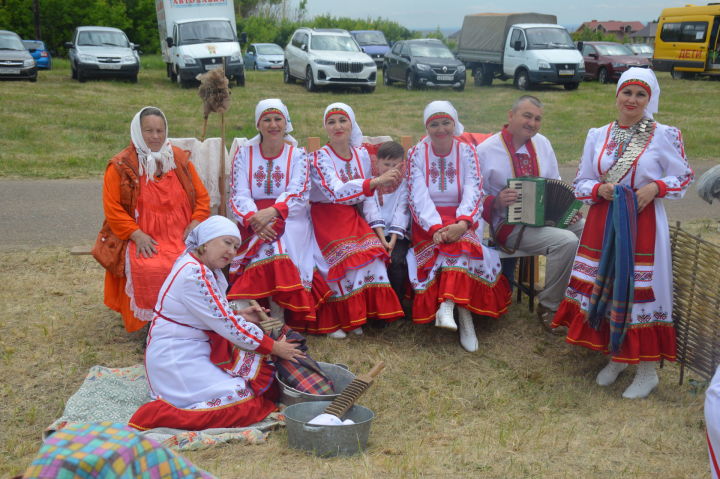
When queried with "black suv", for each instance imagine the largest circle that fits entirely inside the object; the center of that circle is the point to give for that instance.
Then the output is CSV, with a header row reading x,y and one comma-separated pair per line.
x,y
421,63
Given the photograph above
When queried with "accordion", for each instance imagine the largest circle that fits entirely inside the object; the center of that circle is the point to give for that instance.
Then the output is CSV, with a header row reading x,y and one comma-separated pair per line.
x,y
542,202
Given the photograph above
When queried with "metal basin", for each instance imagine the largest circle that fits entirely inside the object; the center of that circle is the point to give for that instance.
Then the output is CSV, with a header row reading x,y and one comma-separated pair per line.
x,y
338,374
327,441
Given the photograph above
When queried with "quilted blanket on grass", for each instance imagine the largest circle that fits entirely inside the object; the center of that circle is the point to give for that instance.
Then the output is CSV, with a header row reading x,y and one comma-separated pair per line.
x,y
114,394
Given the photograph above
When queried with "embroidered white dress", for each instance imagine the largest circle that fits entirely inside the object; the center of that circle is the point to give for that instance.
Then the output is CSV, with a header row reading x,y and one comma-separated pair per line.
x,y
442,191
650,335
353,259
281,269
177,359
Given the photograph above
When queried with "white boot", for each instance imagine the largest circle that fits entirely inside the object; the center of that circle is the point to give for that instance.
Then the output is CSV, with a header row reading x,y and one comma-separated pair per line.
x,y
444,316
646,379
468,340
357,331
276,311
339,334
609,373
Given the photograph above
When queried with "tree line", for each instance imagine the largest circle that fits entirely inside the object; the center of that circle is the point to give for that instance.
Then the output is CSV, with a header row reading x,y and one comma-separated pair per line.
x,y
55,20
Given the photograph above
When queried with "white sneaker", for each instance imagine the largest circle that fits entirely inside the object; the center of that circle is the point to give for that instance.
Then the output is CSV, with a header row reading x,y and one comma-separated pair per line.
x,y
609,373
646,379
468,340
357,331
444,316
339,334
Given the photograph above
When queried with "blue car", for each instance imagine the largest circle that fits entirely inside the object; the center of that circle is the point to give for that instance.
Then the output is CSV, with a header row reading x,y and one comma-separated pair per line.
x,y
39,53
264,56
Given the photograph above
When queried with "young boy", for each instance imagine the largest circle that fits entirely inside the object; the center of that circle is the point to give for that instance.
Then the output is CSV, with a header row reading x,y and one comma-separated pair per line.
x,y
391,155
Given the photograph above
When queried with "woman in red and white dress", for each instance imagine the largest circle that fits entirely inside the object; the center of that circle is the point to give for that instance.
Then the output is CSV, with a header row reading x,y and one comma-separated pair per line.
x,y
353,258
270,186
189,390
448,264
648,157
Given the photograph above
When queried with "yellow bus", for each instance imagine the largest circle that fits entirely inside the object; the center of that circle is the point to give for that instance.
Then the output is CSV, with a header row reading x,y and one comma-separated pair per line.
x,y
686,42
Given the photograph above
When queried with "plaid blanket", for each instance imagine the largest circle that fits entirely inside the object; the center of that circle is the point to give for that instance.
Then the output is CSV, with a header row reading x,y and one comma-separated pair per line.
x,y
107,449
613,291
305,375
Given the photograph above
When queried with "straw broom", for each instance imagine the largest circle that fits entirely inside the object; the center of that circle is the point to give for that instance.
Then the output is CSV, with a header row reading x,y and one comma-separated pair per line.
x,y
215,93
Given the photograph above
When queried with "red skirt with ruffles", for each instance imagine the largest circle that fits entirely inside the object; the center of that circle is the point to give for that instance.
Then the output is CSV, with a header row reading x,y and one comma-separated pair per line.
x,y
276,277
455,284
160,413
348,244
650,341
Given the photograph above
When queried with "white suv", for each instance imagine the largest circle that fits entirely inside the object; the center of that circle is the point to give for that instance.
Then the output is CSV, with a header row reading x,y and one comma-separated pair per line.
x,y
328,57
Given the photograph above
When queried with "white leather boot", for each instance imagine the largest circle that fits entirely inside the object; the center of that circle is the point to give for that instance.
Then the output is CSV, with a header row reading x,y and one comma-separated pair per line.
x,y
646,379
339,334
609,373
444,316
468,340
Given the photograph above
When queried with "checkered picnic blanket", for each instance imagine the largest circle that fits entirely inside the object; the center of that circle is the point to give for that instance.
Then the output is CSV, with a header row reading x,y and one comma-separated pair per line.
x,y
106,449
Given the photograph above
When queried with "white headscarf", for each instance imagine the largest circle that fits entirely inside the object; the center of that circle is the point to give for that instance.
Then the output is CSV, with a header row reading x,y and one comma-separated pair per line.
x,y
272,105
443,108
211,228
356,136
645,78
148,159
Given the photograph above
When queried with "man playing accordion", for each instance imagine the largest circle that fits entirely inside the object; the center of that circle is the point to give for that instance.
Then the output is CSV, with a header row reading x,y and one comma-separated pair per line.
x,y
519,151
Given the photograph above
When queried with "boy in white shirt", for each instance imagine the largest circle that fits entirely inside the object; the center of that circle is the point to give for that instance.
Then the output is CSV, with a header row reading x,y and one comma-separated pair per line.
x,y
393,209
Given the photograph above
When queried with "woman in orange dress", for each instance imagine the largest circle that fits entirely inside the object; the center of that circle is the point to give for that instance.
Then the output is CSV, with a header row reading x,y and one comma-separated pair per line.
x,y
152,199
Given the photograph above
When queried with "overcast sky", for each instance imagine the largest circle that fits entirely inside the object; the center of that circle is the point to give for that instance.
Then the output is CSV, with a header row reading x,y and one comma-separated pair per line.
x,y
448,14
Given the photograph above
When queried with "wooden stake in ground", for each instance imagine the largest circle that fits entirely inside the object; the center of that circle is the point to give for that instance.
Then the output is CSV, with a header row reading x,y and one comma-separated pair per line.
x,y
215,93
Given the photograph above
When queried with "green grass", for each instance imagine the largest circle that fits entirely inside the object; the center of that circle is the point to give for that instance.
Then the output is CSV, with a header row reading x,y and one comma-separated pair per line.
x,y
525,405
59,128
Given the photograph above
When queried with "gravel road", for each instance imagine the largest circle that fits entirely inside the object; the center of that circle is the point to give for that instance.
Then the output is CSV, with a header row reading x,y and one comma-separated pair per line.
x,y
36,213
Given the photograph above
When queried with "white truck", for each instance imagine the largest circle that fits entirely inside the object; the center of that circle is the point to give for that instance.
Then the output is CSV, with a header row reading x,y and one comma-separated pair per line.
x,y
197,36
530,48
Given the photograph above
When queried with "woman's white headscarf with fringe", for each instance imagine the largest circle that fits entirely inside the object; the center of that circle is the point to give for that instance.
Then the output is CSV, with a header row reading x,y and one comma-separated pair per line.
x,y
148,160
265,107
356,136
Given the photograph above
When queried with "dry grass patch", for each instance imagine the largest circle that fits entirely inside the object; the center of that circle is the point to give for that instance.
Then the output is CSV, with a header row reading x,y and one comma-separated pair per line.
x,y
525,405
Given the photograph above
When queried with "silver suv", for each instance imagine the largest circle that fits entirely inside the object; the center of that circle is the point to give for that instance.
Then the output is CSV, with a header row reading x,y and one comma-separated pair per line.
x,y
102,51
331,56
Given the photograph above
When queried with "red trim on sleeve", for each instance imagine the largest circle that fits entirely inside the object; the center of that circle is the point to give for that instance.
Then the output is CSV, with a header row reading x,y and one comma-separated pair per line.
x,y
434,229
662,188
281,208
367,191
594,193
266,345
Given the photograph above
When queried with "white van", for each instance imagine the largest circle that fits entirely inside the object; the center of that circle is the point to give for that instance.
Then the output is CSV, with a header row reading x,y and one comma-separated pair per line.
x,y
197,37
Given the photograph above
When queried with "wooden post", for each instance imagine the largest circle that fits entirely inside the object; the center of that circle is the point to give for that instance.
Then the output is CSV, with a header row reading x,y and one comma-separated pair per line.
x,y
222,208
313,143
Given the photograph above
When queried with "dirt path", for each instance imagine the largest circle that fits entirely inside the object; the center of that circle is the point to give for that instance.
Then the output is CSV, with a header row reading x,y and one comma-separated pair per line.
x,y
35,213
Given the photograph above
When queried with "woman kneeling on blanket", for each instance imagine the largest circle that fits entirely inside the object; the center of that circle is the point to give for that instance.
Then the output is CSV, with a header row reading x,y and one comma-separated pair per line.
x,y
189,390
